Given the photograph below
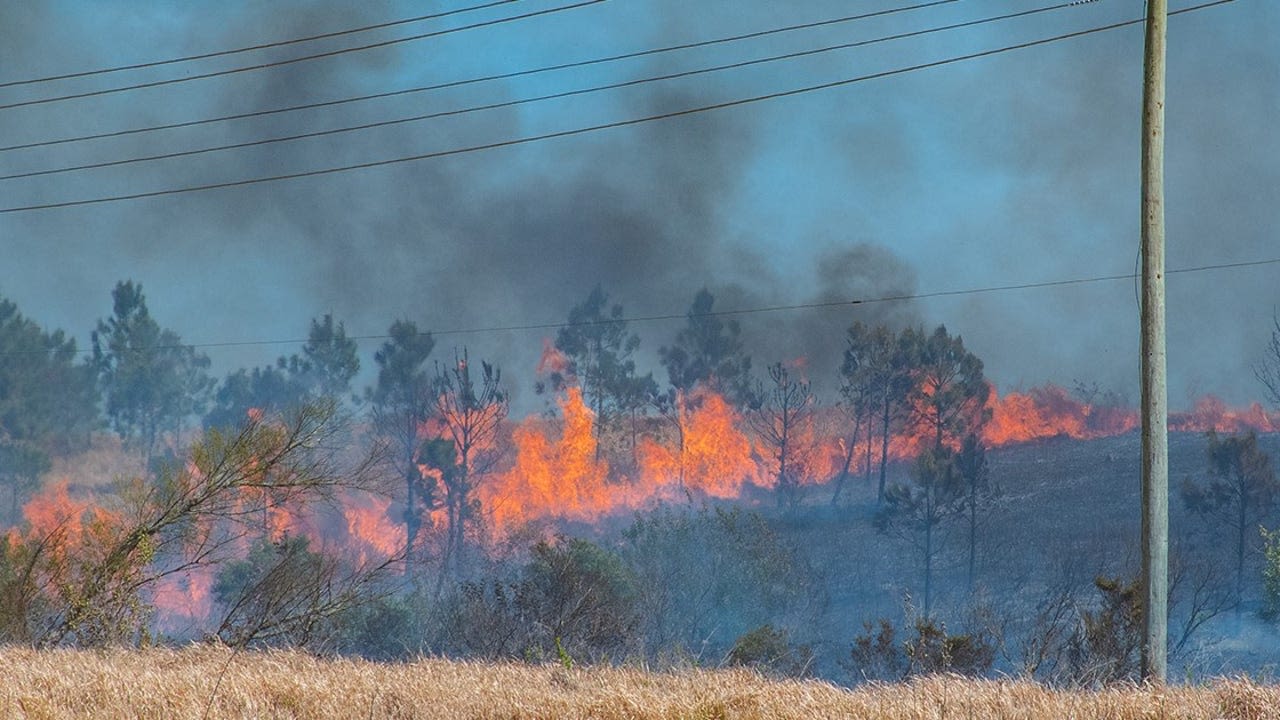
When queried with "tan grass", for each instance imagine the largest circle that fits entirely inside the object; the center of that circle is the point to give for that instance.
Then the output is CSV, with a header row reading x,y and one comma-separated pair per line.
x,y
165,684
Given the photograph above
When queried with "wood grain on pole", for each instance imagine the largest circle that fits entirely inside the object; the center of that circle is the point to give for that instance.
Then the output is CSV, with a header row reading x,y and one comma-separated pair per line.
x,y
1155,429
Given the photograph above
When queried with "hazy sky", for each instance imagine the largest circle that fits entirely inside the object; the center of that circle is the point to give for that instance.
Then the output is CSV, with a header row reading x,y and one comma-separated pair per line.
x,y
1017,168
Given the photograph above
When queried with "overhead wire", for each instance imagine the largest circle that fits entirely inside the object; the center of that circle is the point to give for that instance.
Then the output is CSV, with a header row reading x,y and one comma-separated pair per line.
x,y
251,48
598,127
302,58
486,78
545,97
826,305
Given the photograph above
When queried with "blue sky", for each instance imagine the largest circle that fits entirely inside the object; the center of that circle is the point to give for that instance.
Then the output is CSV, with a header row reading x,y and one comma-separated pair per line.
x,y
1017,168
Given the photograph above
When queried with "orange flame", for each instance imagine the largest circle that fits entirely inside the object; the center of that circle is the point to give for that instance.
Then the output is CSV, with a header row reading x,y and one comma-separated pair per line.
x,y
552,360
371,529
553,476
1211,413
711,455
184,598
1048,412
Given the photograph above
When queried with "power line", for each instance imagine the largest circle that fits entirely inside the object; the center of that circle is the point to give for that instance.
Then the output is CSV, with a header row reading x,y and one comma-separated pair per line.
x,y
250,48
302,58
596,128
828,305
550,96
486,78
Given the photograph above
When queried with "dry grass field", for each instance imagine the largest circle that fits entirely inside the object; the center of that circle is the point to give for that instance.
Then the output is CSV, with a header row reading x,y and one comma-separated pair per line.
x,y
214,682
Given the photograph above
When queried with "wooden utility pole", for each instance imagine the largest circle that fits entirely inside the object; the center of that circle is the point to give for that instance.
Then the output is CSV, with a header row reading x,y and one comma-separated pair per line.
x,y
1155,419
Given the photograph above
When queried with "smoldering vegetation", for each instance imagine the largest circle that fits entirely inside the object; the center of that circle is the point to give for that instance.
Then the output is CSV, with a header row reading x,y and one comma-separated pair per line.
x,y
732,515
779,489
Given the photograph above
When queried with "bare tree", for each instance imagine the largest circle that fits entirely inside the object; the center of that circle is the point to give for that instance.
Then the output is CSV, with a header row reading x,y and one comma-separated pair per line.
x,y
1268,369
469,411
84,580
1198,592
779,414
1241,490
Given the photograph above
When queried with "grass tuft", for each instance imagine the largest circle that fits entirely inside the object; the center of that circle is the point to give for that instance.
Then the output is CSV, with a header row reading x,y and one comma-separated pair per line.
x,y
168,683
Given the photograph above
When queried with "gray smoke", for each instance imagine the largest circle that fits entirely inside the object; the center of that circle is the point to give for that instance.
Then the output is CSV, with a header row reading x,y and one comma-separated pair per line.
x,y
1003,170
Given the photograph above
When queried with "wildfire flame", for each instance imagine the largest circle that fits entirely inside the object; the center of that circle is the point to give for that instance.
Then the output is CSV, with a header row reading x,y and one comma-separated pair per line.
x,y
1211,413
556,472
552,360
711,454
1049,412
702,448
370,528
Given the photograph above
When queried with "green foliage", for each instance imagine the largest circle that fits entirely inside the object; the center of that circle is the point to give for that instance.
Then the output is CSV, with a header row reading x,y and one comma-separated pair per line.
x,y
150,381
485,619
707,352
566,660
469,409
878,376
1270,574
580,595
75,578
949,392
329,360
933,651
599,351
323,371
573,599
917,512
769,650
81,574
19,601
46,398
268,389
876,654
270,596
400,403
707,577
1106,647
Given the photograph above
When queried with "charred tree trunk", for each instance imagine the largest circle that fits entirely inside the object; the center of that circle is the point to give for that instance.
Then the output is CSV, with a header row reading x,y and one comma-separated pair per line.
x,y
973,529
848,458
884,448
844,474
784,490
867,467
412,523
1243,503
928,551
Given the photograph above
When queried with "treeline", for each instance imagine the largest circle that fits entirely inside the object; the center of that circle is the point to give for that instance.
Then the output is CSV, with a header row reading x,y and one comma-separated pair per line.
x,y
142,382
234,466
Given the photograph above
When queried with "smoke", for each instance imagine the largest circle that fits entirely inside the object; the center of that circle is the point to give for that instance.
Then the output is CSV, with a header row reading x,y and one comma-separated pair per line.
x,y
1062,140
1004,170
